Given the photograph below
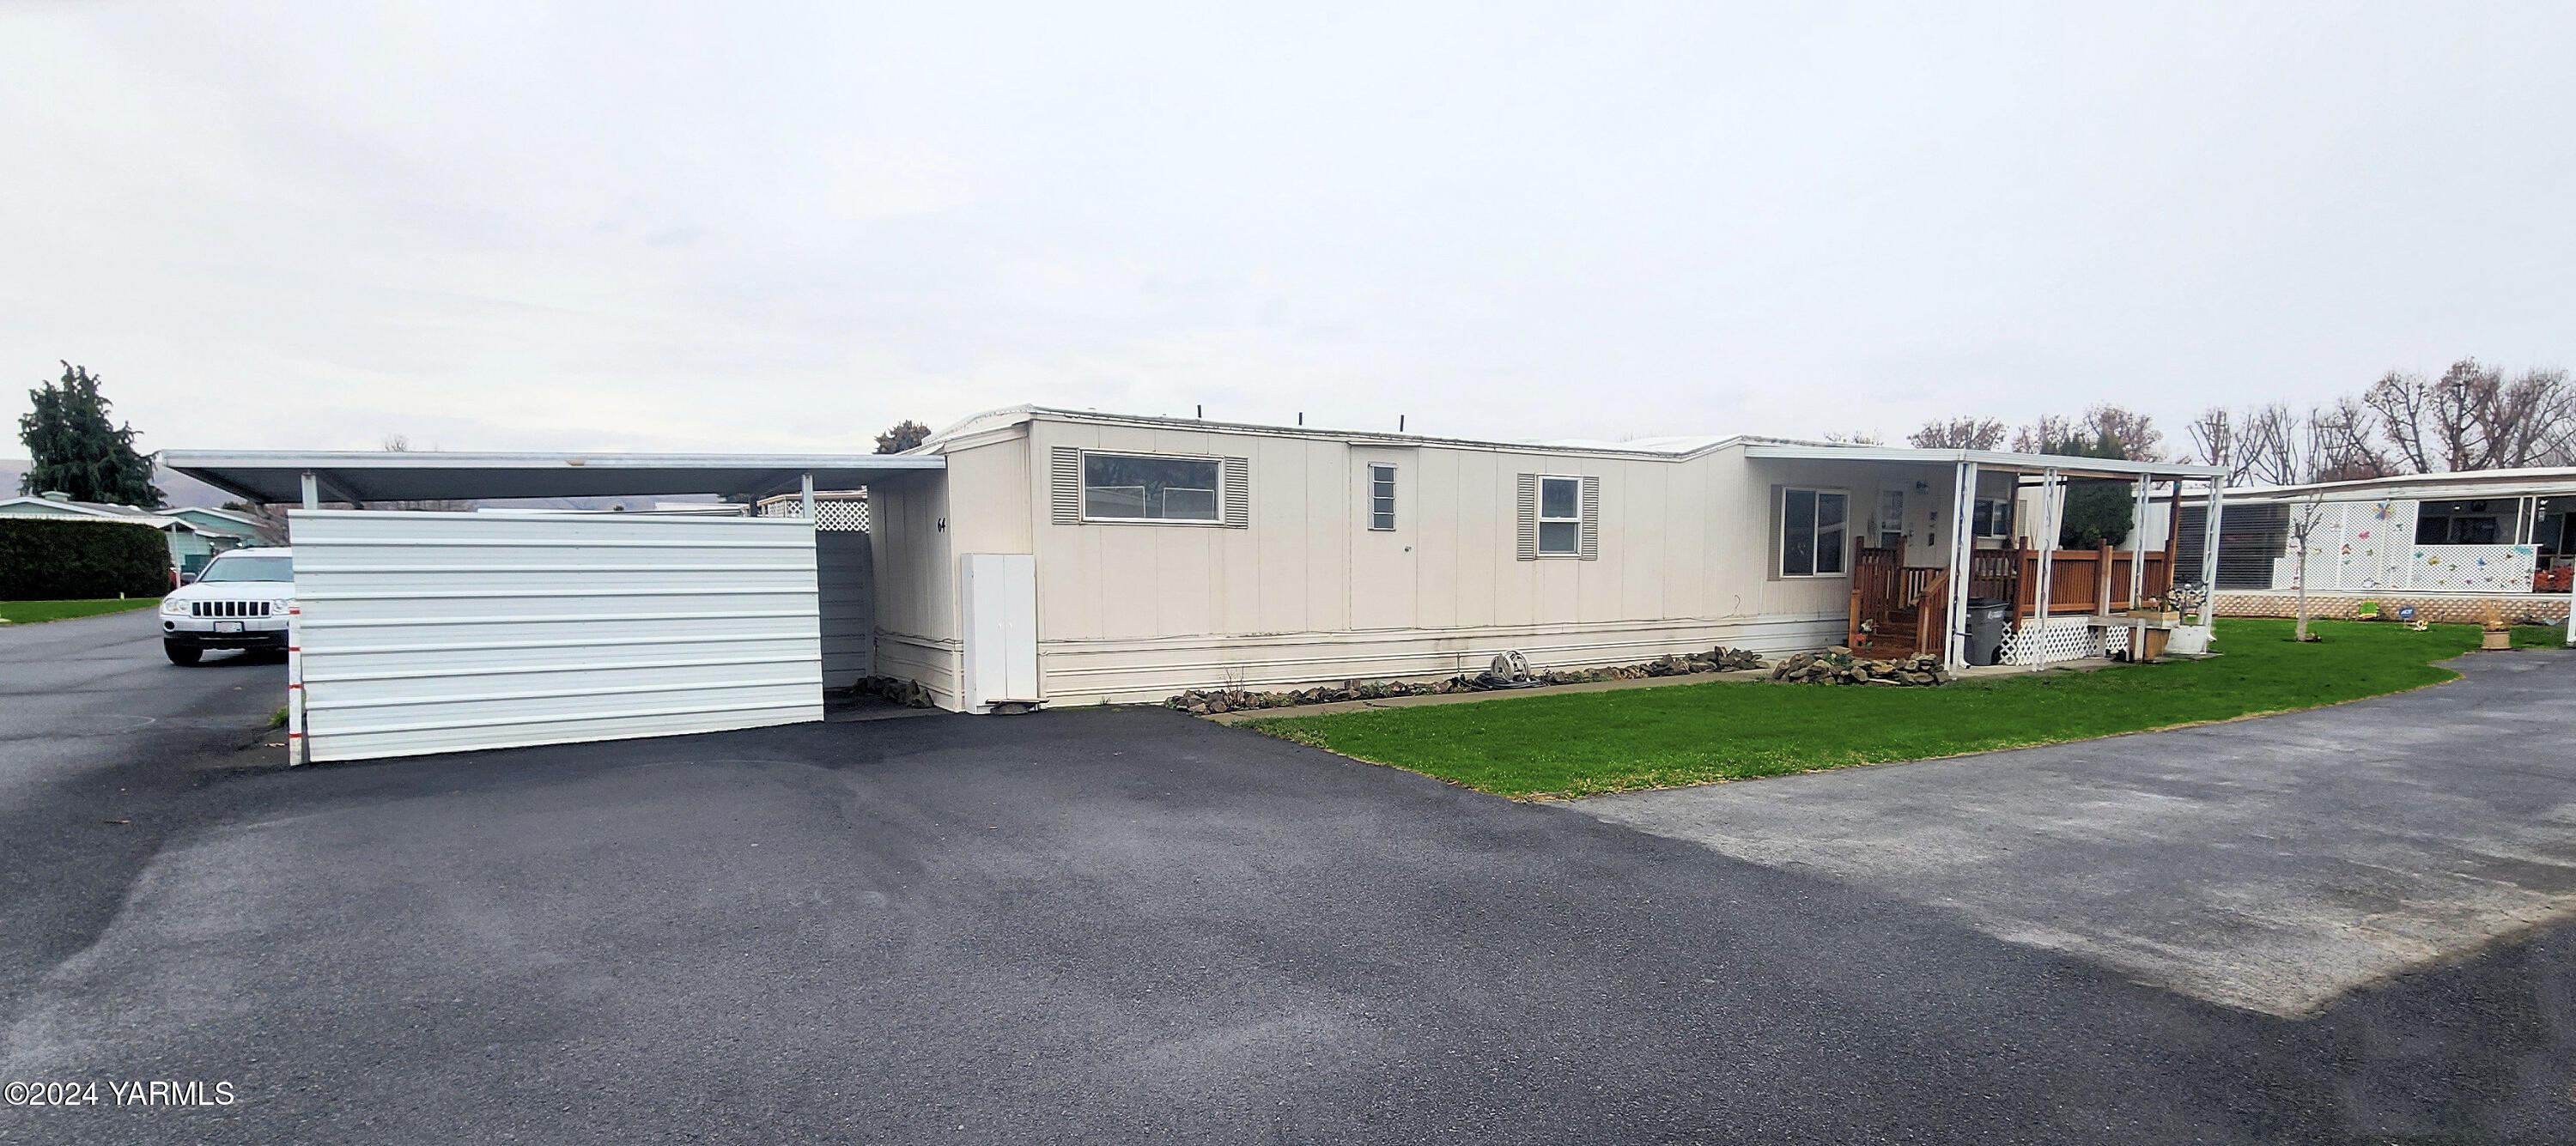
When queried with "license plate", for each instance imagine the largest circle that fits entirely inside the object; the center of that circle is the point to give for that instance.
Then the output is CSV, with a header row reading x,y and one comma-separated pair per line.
x,y
228,626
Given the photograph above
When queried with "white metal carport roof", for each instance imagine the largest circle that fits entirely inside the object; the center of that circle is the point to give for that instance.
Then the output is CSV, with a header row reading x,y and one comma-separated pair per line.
x,y
365,476
1984,459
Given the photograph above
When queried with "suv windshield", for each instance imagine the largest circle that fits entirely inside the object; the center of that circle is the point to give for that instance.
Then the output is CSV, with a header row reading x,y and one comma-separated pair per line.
x,y
249,569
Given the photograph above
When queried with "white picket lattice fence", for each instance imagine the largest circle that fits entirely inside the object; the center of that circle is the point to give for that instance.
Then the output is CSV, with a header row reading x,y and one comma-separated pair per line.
x,y
832,511
2059,639
2369,547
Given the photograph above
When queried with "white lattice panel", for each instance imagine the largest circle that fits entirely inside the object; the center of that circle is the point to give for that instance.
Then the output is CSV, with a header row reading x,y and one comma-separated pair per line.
x,y
2058,639
2472,568
2371,546
835,511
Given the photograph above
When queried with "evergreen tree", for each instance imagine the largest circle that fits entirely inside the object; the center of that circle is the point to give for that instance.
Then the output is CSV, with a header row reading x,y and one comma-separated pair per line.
x,y
77,451
2097,511
902,436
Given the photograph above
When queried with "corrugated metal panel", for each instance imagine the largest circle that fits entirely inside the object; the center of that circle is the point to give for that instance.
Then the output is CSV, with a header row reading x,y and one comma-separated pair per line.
x,y
439,632
2250,536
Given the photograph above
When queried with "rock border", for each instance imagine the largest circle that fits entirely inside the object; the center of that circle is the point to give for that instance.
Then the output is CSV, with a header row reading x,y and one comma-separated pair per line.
x,y
1207,702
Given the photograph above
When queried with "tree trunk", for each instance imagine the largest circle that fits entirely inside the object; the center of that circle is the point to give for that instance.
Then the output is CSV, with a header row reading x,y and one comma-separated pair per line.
x,y
2303,592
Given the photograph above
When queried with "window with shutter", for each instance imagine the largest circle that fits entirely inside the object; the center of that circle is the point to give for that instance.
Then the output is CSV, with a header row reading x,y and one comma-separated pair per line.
x,y
1528,517
1064,475
1087,486
1560,517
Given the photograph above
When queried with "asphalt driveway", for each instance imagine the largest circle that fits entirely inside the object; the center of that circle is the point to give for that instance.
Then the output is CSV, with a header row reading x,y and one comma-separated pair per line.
x,y
2272,864
1113,926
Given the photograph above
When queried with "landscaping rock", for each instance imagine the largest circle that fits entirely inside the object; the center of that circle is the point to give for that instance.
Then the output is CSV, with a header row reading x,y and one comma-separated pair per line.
x,y
908,693
1838,666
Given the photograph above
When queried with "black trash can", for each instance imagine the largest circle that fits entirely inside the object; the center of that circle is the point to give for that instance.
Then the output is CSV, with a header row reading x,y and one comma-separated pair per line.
x,y
1987,617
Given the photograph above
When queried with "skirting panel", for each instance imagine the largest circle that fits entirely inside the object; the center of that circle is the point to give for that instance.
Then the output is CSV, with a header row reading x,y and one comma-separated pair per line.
x,y
1093,672
2059,639
2460,609
928,661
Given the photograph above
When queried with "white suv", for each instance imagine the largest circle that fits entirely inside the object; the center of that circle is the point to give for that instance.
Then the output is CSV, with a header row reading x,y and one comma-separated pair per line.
x,y
238,601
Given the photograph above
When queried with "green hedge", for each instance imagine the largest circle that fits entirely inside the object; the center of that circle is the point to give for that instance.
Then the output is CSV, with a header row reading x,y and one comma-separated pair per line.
x,y
57,559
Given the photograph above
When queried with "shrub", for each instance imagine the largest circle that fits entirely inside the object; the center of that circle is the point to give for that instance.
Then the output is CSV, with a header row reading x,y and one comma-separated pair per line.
x,y
57,559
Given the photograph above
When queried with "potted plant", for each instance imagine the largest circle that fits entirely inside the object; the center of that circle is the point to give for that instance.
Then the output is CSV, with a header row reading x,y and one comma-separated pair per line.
x,y
2495,633
2190,639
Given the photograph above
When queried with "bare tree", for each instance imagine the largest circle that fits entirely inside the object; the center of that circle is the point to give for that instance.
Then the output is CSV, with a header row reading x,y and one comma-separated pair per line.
x,y
2050,432
1853,437
2216,442
2474,418
2261,445
2136,433
2303,526
2344,443
401,444
1959,434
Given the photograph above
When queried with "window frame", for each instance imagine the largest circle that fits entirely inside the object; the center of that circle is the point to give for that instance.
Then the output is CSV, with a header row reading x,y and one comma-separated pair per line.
x,y
2004,508
1540,520
1815,530
1373,510
1084,487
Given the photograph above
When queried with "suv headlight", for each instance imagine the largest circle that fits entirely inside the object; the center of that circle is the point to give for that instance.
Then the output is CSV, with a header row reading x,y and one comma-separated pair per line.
x,y
281,608
174,606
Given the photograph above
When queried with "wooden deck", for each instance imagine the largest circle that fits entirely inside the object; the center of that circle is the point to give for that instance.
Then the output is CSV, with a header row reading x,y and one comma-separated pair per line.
x,y
1898,610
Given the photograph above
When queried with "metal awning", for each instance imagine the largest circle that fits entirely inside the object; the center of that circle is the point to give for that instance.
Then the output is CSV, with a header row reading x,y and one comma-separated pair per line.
x,y
1982,459
364,476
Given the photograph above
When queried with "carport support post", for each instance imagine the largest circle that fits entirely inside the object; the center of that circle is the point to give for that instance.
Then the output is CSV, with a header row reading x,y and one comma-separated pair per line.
x,y
2051,519
1963,508
2137,565
2209,553
809,495
312,491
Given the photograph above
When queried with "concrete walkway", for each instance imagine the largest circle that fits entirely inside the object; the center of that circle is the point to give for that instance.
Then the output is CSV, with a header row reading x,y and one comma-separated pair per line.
x,y
2271,864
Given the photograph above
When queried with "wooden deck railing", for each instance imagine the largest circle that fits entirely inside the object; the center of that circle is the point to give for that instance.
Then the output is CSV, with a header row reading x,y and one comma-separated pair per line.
x,y
1899,609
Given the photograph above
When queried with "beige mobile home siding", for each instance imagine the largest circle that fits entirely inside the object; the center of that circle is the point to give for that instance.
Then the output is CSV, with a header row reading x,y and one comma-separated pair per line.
x,y
916,610
1308,593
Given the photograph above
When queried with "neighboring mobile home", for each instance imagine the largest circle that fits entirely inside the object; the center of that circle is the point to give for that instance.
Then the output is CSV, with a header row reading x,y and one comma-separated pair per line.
x,y
190,546
2448,545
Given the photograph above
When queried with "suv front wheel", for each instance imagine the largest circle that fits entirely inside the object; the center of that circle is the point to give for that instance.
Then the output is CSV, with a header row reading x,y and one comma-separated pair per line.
x,y
182,653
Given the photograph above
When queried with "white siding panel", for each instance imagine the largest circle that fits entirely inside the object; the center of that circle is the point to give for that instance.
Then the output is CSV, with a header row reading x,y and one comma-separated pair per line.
x,y
438,632
846,586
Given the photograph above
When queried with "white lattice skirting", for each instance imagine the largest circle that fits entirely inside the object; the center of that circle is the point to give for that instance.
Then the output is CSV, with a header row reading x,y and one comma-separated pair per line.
x,y
2059,639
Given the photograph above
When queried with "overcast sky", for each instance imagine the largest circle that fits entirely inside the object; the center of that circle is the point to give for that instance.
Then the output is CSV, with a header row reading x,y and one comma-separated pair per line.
x,y
507,226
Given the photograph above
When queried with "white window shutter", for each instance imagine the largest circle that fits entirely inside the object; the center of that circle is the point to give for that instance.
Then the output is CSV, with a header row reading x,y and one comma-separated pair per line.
x,y
1592,519
1065,476
1529,517
1237,479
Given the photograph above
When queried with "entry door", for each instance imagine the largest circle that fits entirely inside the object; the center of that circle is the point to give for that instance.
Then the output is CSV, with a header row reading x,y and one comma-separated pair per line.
x,y
1384,486
998,595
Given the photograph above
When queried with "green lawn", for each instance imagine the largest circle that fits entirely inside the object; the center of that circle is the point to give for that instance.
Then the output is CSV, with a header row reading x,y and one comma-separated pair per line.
x,y
1582,744
30,612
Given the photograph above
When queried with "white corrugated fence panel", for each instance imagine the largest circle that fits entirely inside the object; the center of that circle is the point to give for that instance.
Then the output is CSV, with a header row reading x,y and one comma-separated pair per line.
x,y
442,632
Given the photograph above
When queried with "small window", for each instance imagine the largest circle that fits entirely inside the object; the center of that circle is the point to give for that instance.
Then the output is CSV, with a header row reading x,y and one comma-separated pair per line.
x,y
1560,516
1993,518
1130,487
1891,519
1381,497
1812,526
